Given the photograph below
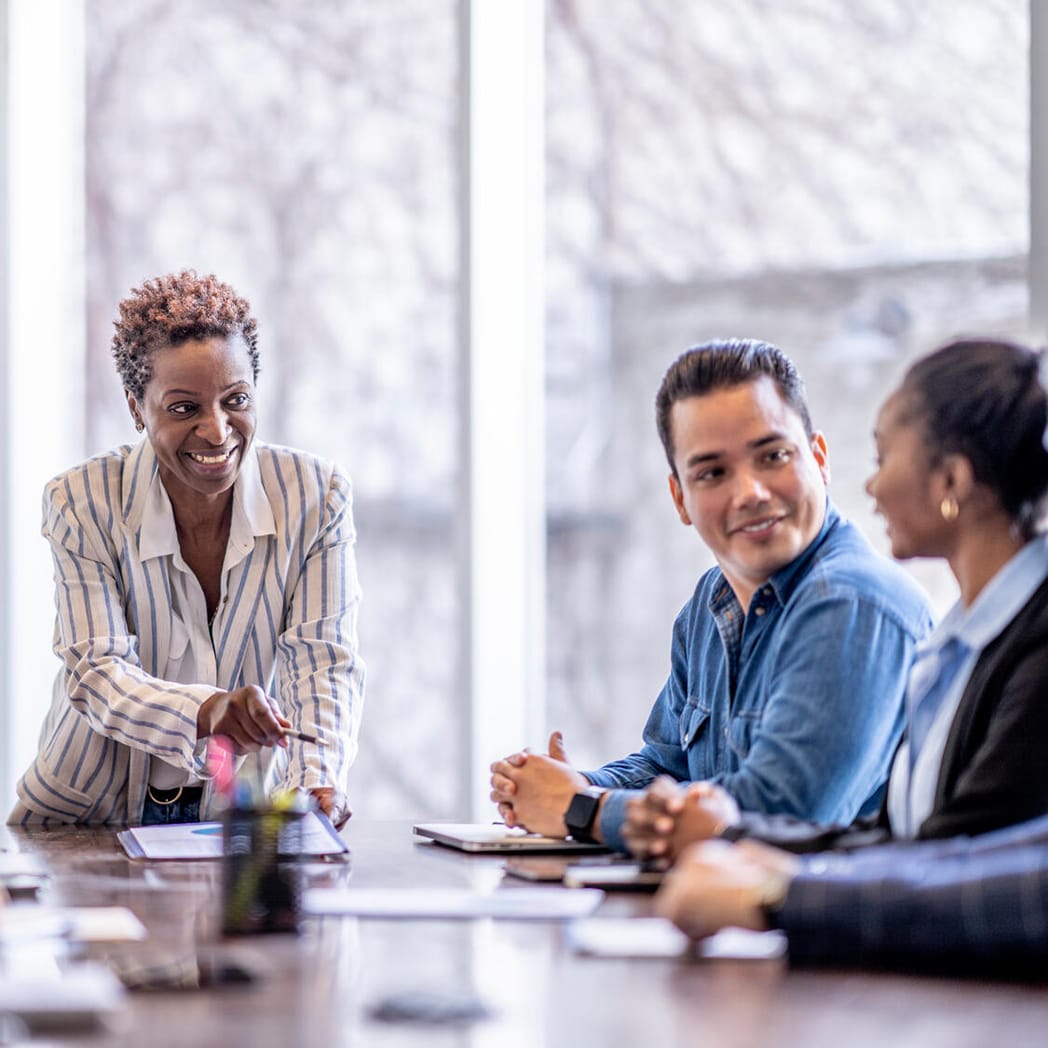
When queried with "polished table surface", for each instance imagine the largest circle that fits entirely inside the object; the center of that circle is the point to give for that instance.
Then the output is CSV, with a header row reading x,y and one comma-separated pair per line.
x,y
321,987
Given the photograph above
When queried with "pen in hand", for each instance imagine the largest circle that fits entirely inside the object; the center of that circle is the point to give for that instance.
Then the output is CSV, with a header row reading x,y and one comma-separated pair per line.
x,y
290,733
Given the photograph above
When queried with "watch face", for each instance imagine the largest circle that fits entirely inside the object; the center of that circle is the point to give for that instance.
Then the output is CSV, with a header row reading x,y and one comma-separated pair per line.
x,y
580,815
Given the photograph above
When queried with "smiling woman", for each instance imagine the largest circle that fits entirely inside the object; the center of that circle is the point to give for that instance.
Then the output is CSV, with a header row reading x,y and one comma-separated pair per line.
x,y
205,586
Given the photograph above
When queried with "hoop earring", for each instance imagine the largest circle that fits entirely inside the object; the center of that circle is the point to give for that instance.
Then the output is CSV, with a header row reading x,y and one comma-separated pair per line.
x,y
949,508
140,425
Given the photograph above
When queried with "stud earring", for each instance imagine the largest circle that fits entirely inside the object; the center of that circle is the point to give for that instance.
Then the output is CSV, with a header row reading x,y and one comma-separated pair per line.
x,y
949,508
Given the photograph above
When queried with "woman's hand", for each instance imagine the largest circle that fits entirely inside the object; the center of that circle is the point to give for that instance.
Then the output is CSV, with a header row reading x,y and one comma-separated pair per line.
x,y
333,803
248,717
715,885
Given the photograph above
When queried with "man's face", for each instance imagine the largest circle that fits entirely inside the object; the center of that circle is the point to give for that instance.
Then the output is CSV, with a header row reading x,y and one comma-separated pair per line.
x,y
748,479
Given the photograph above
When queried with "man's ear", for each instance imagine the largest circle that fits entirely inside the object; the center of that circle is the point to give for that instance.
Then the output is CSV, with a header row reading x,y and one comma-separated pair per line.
x,y
678,499
822,455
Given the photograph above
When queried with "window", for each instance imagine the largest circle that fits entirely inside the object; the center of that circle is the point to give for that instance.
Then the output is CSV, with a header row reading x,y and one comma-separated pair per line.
x,y
306,154
848,181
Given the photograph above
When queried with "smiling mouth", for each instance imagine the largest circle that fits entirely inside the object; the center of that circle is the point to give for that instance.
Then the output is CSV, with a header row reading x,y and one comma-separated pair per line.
x,y
757,527
211,458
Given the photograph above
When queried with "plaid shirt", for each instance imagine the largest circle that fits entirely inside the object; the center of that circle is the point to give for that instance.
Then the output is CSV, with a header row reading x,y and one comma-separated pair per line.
x,y
975,904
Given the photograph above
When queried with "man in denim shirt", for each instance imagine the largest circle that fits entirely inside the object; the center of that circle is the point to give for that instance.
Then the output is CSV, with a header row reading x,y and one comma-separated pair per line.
x,y
789,662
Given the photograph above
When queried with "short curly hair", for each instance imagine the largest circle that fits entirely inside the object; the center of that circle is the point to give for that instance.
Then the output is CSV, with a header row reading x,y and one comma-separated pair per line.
x,y
172,309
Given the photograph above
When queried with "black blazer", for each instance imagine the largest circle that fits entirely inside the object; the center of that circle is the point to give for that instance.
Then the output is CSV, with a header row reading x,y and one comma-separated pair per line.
x,y
995,764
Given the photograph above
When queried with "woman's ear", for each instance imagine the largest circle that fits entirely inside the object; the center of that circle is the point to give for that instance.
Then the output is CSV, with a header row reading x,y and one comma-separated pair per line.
x,y
136,414
958,477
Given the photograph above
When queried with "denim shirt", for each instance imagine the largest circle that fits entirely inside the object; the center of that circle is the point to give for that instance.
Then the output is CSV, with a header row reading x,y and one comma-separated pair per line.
x,y
799,711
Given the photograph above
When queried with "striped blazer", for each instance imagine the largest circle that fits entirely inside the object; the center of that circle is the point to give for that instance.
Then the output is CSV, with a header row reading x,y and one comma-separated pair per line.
x,y
288,624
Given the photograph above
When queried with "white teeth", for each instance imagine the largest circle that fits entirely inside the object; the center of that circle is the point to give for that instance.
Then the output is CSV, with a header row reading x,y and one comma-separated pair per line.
x,y
758,527
210,460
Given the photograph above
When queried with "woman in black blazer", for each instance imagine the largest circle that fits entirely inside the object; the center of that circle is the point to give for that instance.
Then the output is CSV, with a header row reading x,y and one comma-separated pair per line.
x,y
962,473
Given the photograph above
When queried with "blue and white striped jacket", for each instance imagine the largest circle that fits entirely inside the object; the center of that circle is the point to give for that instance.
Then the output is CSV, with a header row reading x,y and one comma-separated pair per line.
x,y
288,624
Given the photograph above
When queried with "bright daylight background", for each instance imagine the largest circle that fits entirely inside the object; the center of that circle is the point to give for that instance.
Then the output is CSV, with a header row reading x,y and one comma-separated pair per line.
x,y
850,181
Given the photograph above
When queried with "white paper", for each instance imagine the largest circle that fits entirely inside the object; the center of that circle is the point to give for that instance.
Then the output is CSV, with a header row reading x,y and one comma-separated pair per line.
x,y
21,864
24,923
104,924
628,937
76,998
656,937
742,944
514,903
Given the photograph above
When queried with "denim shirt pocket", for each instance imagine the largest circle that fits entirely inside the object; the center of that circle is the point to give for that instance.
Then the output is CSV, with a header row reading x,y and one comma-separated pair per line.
x,y
694,720
741,730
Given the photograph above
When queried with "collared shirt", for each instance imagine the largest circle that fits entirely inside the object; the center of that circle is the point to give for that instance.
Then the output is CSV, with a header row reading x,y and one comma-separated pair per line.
x,y
911,794
794,706
191,658
288,626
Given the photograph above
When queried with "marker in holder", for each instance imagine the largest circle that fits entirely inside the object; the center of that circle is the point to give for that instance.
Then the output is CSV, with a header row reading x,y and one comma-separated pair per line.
x,y
261,886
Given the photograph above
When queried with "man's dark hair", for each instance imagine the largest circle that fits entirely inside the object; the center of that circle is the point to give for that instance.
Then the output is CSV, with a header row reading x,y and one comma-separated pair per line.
x,y
719,365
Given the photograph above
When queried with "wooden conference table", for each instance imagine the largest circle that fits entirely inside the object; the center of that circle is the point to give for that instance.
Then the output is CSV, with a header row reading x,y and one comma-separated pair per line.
x,y
321,987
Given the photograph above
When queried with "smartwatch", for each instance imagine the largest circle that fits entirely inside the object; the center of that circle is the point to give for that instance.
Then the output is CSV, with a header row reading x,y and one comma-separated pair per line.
x,y
582,814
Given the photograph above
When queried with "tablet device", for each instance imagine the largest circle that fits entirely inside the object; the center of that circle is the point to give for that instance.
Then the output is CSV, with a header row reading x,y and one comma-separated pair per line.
x,y
494,837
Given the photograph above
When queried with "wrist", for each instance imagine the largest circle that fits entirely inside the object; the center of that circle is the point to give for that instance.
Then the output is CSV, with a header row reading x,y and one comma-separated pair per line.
x,y
203,719
770,896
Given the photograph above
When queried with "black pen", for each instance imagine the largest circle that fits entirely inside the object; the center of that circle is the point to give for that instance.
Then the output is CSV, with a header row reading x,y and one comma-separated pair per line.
x,y
292,734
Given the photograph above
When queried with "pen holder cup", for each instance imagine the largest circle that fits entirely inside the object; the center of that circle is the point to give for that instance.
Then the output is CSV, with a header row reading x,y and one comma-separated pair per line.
x,y
261,886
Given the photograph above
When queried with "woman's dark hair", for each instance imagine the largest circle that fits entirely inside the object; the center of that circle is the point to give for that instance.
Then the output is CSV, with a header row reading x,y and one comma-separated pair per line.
x,y
173,309
719,365
983,399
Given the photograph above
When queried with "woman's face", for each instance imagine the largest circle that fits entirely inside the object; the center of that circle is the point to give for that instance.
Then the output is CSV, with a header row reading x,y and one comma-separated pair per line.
x,y
906,489
199,414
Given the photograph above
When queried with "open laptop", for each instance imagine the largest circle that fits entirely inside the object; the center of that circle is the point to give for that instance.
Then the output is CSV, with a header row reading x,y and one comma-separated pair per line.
x,y
494,837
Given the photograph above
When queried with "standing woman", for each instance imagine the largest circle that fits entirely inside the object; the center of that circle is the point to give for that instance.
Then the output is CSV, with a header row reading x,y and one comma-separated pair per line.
x,y
962,474
205,585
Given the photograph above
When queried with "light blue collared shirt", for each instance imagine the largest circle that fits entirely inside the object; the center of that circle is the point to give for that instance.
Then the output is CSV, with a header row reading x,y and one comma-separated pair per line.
x,y
911,793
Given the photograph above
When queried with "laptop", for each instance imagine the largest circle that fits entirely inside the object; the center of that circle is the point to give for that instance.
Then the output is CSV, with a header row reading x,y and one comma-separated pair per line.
x,y
494,837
